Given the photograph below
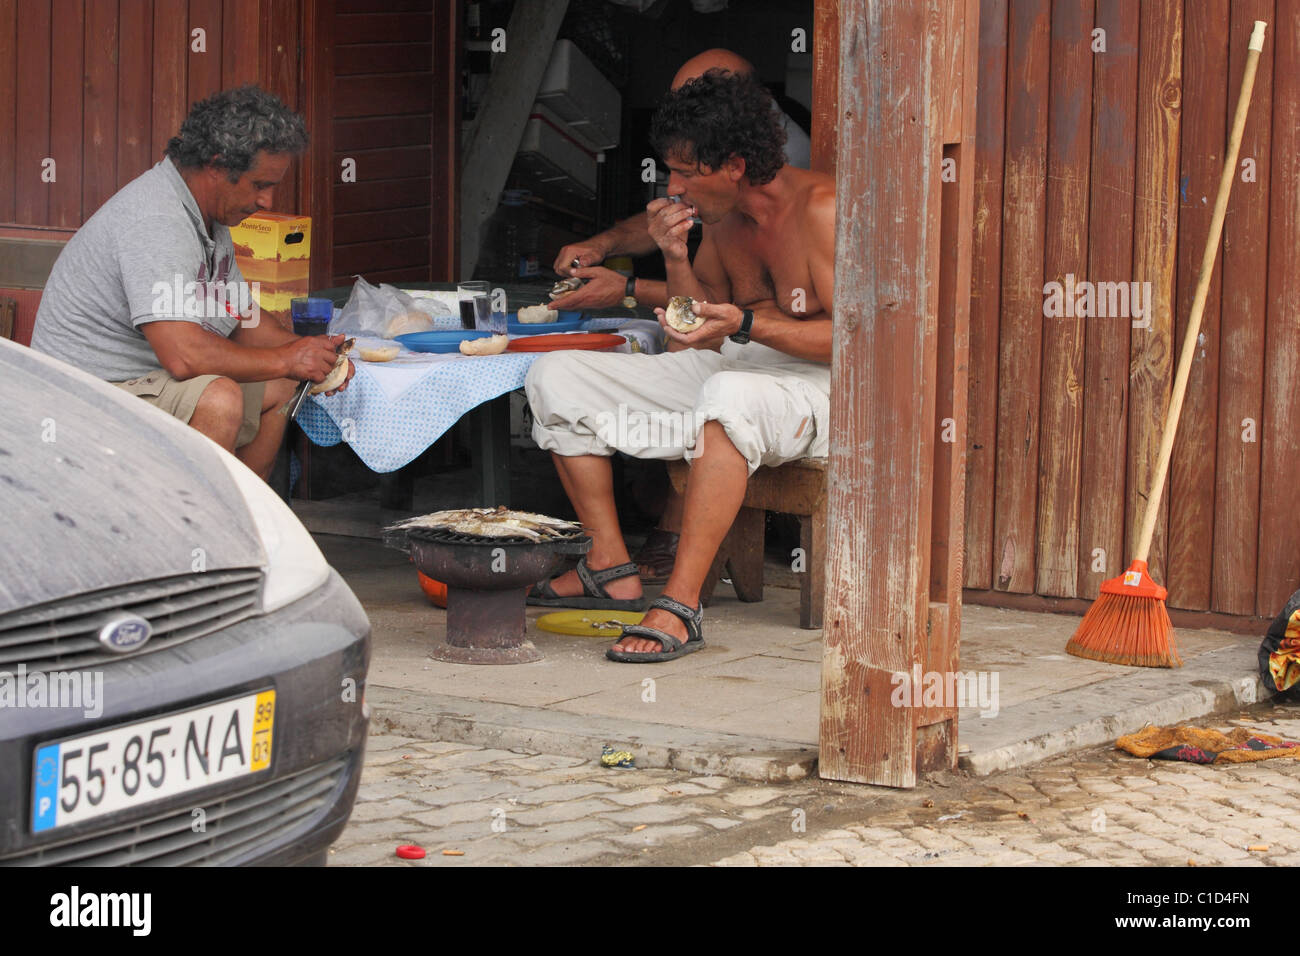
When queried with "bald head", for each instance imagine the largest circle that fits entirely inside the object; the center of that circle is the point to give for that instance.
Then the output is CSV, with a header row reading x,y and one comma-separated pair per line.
x,y
715,59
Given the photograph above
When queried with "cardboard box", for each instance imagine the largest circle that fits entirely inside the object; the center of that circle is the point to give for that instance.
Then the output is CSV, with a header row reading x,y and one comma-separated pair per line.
x,y
273,249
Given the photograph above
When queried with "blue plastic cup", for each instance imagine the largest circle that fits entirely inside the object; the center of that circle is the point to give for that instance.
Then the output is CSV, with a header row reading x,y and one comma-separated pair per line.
x,y
311,316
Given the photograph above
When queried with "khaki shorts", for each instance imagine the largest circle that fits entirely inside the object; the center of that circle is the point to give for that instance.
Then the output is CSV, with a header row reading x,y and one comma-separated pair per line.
x,y
180,398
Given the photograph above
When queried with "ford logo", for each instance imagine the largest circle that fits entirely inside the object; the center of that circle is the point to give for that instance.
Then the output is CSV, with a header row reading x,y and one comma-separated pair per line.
x,y
124,633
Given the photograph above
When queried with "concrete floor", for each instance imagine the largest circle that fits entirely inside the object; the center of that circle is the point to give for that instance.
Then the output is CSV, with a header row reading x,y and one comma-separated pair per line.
x,y
757,680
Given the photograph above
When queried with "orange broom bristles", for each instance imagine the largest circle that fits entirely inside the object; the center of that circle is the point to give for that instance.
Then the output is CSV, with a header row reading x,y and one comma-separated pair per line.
x,y
1128,624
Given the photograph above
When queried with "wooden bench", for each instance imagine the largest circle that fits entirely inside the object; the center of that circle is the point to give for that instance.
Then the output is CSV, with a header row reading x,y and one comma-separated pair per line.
x,y
797,488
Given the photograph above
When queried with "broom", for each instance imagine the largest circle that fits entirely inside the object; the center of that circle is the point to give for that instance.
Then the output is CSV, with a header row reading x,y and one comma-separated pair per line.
x,y
1128,623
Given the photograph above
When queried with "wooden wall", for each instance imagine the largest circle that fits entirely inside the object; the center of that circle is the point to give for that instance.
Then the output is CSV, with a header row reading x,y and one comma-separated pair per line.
x,y
1104,165
382,116
99,86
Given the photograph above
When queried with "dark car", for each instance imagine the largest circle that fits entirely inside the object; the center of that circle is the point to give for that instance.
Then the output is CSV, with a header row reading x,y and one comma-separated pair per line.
x,y
182,674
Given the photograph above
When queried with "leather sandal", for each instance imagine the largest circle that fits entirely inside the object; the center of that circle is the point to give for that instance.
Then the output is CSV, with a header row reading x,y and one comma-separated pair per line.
x,y
670,647
594,597
658,555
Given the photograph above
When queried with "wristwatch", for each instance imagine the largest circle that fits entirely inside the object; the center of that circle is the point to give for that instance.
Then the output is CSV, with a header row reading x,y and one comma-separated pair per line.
x,y
746,323
629,293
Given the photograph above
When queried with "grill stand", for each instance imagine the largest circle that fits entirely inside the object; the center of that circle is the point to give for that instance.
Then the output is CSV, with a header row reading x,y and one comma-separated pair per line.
x,y
487,583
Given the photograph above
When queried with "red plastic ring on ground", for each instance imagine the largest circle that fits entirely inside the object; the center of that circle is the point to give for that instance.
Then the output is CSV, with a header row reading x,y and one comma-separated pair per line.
x,y
411,852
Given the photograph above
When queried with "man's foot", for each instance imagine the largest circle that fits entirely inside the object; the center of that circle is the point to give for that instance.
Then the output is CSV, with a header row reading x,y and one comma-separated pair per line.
x,y
660,620
657,639
656,558
612,588
570,585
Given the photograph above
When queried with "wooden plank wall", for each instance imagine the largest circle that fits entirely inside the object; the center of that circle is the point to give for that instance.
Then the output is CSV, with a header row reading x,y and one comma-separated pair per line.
x,y
100,86
381,113
1102,163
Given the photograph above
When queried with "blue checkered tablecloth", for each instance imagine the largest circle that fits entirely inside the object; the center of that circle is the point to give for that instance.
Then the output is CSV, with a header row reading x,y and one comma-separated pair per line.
x,y
387,434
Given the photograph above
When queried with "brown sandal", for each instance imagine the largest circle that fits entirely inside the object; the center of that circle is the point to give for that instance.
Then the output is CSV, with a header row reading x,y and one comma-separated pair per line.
x,y
657,556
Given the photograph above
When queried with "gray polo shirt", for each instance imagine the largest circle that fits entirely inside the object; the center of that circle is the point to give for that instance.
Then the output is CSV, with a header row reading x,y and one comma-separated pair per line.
x,y
144,256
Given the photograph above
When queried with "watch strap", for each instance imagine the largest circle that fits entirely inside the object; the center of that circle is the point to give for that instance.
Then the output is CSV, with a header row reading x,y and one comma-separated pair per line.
x,y
741,336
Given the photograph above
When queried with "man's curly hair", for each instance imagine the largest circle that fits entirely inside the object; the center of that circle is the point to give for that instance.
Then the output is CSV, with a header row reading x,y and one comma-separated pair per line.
x,y
717,116
228,128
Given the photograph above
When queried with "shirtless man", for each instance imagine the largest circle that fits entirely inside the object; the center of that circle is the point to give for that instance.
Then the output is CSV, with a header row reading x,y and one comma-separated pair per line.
x,y
754,378
605,287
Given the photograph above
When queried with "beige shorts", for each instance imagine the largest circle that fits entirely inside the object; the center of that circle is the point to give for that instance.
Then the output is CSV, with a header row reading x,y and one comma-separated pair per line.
x,y
179,398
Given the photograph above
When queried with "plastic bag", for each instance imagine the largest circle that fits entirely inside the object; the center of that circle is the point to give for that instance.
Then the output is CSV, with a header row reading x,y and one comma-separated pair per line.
x,y
379,311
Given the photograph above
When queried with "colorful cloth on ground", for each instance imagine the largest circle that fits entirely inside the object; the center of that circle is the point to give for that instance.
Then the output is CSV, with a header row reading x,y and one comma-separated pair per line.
x,y
1200,745
1279,654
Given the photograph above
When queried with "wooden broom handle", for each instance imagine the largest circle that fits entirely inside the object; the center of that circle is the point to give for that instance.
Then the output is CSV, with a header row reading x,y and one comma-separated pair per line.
x,y
1202,292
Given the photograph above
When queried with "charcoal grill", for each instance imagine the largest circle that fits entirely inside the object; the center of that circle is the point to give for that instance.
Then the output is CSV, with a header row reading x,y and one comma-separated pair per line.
x,y
486,588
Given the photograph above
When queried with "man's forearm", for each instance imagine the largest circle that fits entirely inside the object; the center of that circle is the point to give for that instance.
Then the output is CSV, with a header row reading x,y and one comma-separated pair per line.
x,y
682,280
651,293
191,351
628,237
808,339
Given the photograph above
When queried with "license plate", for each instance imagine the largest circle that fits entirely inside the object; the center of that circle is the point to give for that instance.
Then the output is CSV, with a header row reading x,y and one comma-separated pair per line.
x,y
124,767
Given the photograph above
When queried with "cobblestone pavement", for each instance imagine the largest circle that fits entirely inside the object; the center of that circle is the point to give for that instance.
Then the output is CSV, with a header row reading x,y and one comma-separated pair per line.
x,y
1093,808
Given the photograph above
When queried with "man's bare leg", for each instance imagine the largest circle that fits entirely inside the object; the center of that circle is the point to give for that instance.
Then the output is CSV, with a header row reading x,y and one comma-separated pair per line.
x,y
714,494
259,454
670,520
220,412
588,480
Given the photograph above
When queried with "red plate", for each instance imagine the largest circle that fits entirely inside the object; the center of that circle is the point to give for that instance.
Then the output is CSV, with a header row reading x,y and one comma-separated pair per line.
x,y
591,341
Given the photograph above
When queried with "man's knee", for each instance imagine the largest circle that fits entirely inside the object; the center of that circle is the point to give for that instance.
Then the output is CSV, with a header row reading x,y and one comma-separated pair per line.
x,y
278,391
222,402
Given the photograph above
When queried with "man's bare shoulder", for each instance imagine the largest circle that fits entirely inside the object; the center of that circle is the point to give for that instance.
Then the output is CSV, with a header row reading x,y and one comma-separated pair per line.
x,y
819,195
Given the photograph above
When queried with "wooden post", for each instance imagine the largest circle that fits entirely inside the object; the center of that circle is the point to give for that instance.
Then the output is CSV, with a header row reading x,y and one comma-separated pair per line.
x,y
825,83
902,281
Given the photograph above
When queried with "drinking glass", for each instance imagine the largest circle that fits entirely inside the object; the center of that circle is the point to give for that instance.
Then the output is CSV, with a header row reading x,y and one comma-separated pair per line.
x,y
474,305
497,315
311,316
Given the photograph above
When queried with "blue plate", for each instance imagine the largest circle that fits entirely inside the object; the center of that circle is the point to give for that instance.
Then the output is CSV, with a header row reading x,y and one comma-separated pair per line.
x,y
566,322
447,340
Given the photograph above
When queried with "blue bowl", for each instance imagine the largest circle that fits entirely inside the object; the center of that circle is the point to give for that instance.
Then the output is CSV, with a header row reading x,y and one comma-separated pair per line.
x,y
442,342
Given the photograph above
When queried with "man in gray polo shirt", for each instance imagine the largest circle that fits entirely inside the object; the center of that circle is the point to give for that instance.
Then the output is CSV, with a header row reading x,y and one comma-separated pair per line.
x,y
147,294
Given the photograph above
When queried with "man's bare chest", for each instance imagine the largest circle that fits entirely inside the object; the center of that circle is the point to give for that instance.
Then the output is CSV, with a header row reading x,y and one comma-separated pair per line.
x,y
761,274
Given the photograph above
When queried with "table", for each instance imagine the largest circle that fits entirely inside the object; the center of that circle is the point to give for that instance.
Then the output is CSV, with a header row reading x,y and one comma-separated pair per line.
x,y
388,430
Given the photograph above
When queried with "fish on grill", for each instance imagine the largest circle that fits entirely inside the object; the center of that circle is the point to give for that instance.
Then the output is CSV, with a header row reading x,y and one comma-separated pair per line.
x,y
491,523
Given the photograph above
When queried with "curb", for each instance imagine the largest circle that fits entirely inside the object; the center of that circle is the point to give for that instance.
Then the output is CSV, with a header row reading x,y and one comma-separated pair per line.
x,y
1130,702
1026,734
658,746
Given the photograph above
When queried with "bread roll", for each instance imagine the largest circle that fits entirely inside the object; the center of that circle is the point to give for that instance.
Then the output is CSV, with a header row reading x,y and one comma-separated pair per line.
x,y
384,353
487,345
537,314
407,322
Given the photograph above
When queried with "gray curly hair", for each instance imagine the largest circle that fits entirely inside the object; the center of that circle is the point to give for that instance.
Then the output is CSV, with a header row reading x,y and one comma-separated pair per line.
x,y
229,128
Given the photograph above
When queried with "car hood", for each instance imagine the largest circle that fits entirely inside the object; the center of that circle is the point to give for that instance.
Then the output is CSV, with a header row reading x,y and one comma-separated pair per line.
x,y
100,489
